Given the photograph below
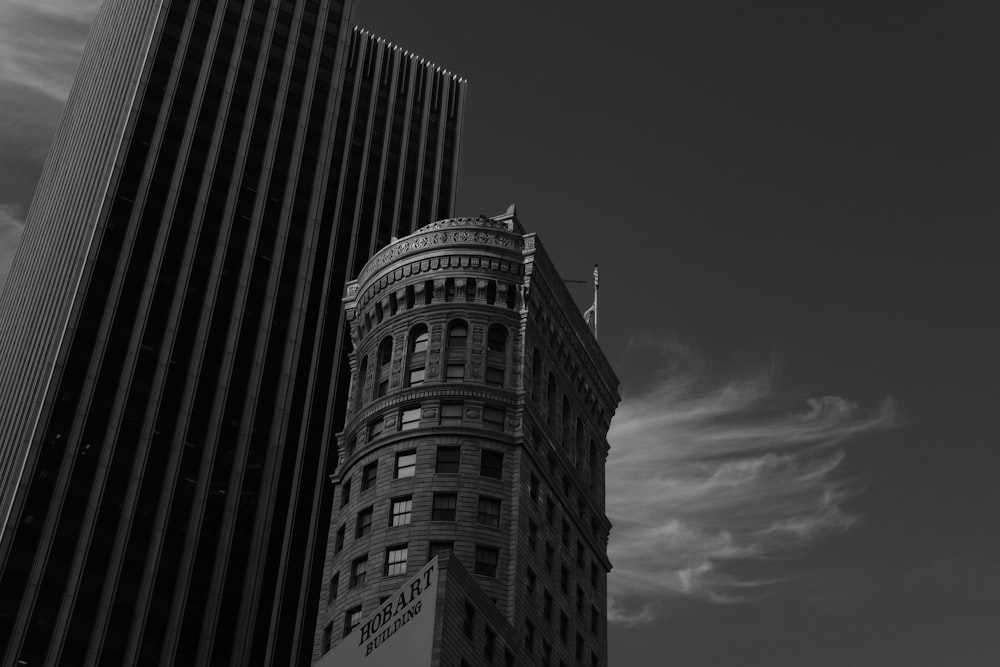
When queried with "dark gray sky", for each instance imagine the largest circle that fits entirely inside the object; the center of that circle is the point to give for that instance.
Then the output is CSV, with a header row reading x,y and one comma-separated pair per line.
x,y
794,209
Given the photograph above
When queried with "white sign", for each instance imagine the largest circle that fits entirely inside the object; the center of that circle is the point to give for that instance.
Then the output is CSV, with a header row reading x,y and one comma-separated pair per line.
x,y
400,632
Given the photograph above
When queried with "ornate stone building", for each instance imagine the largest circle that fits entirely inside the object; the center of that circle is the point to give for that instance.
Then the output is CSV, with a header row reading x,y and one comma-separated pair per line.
x,y
479,407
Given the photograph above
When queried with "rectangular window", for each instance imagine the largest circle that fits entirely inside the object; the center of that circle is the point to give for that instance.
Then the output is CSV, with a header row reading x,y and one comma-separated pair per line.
x,y
493,419
340,540
550,509
565,531
487,559
368,476
352,618
345,492
533,487
579,553
579,648
579,600
491,464
593,620
532,579
563,578
548,557
434,548
443,507
547,608
494,376
364,525
489,511
402,509
593,574
532,534
448,459
546,654
375,428
331,590
417,376
455,372
395,561
529,637
469,622
327,637
359,570
409,419
489,644
382,389
451,414
406,464
563,625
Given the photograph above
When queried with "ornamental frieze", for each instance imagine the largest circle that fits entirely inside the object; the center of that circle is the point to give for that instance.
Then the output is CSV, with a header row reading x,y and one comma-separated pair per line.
x,y
421,240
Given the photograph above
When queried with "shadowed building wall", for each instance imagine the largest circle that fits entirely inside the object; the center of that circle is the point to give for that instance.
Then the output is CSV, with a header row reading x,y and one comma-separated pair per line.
x,y
170,331
476,425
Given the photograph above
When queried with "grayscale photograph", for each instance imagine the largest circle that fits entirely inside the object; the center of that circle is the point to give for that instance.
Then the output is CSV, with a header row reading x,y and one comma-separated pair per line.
x,y
417,333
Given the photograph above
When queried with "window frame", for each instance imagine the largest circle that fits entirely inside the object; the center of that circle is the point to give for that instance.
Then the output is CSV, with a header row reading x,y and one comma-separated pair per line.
x,y
359,572
349,615
391,567
409,418
363,522
488,469
453,510
443,465
487,561
366,483
484,510
394,514
409,468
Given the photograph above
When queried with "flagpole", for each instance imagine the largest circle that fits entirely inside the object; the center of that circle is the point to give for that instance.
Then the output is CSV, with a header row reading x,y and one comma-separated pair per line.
x,y
595,301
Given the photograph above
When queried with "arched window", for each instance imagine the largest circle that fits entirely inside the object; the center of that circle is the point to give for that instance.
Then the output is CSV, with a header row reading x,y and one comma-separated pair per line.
x,y
550,403
384,360
458,335
418,339
385,351
496,339
416,358
362,377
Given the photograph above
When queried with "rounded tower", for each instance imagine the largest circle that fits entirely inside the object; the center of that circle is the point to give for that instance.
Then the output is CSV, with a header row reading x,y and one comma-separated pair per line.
x,y
477,422
425,461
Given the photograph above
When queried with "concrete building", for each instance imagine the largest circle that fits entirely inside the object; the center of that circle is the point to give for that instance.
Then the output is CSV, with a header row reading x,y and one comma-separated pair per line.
x,y
476,427
171,328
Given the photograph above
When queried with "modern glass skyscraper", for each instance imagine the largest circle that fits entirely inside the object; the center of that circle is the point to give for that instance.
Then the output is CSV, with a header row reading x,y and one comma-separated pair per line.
x,y
171,331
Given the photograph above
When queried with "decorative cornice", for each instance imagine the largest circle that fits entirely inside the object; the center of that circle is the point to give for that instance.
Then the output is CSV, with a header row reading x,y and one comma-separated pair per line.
x,y
431,236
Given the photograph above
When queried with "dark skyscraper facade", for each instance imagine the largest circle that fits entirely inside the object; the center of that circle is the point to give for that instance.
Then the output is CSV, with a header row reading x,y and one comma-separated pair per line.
x,y
171,330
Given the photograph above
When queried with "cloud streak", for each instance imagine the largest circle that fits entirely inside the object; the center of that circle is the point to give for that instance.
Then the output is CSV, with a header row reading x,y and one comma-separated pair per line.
x,y
709,471
40,46
41,42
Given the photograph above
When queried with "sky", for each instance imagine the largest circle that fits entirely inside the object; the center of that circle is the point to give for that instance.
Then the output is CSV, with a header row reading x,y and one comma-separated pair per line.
x,y
794,210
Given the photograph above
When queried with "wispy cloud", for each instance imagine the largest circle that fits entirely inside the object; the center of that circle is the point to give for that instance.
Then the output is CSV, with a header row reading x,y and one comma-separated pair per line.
x,y
709,470
41,42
